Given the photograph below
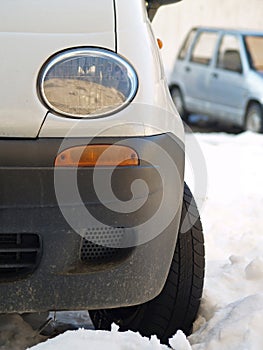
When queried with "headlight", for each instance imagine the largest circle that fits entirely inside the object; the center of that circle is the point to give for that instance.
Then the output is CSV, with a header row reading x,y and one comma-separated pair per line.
x,y
87,82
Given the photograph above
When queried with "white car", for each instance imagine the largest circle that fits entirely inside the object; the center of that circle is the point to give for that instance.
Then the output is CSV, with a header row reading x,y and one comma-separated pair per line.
x,y
92,169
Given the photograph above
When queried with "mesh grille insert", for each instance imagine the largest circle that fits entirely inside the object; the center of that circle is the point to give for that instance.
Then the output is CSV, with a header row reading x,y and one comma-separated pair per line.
x,y
19,254
103,244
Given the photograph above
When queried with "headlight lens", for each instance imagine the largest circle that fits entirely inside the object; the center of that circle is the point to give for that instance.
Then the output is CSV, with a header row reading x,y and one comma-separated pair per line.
x,y
87,82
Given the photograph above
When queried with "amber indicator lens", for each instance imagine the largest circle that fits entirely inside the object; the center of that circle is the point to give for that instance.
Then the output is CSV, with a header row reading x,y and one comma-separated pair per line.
x,y
97,155
160,43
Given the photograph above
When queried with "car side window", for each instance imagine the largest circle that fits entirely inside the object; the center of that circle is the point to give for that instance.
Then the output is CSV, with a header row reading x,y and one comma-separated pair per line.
x,y
188,41
204,48
254,46
228,57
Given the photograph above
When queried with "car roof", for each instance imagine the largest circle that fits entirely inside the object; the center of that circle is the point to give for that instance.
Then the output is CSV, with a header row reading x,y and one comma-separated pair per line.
x,y
231,30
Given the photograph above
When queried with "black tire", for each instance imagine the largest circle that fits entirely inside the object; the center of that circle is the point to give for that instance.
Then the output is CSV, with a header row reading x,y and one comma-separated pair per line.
x,y
254,118
177,305
178,100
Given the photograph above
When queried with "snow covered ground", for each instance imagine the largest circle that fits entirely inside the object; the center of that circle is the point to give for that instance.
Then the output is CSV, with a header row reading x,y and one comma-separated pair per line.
x,y
231,313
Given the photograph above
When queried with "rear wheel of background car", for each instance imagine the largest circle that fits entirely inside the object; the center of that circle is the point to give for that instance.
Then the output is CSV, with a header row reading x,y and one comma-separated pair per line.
x,y
254,118
178,303
178,100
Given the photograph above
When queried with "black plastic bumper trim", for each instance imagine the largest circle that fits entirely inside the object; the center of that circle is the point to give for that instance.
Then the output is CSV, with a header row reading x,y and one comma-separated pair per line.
x,y
62,281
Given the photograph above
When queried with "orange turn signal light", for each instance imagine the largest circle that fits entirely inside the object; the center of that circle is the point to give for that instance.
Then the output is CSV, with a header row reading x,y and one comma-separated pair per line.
x,y
97,155
160,43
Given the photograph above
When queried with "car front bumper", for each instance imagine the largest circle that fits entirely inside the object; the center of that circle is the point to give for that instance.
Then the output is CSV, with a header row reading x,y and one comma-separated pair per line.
x,y
47,264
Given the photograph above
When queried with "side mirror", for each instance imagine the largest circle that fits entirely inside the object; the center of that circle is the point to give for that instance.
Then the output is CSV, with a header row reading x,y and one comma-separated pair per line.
x,y
153,5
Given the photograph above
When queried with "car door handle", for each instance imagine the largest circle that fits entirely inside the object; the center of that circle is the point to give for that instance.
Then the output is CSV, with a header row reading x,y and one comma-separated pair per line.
x,y
187,69
215,75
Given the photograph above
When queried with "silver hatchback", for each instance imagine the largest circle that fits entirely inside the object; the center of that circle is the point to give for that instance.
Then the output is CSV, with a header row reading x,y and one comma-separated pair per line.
x,y
219,73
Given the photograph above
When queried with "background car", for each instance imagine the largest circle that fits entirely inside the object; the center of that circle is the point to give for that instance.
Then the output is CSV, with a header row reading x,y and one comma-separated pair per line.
x,y
219,73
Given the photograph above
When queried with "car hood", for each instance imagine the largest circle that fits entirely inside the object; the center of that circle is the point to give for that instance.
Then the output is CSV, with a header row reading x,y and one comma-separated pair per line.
x,y
31,32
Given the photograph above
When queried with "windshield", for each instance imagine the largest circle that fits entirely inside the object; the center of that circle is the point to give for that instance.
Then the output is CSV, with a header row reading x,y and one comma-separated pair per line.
x,y
254,45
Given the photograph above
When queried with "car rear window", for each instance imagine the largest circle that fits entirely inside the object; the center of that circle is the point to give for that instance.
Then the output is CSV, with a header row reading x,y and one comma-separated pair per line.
x,y
254,45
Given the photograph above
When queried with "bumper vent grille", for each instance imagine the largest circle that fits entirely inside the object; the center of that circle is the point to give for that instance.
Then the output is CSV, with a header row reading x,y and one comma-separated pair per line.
x,y
107,238
19,255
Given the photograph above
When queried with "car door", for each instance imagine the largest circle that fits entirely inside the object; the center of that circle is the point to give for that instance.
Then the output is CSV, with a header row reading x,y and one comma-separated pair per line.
x,y
197,70
227,89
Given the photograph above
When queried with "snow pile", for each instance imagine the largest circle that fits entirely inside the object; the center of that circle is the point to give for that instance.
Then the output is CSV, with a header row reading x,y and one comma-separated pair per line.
x,y
15,334
98,340
231,313
235,326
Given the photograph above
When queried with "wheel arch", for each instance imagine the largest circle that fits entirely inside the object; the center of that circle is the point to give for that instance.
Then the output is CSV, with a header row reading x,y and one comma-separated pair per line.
x,y
174,85
185,112
249,103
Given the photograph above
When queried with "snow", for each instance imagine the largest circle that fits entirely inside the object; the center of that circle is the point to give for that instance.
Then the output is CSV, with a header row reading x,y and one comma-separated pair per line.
x,y
16,334
98,340
231,312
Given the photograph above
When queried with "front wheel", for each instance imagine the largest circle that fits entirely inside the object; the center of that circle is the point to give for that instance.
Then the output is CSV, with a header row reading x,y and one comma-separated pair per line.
x,y
254,118
178,303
